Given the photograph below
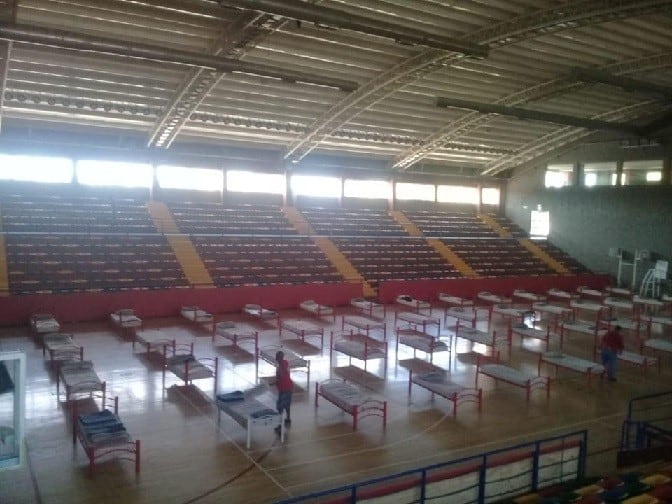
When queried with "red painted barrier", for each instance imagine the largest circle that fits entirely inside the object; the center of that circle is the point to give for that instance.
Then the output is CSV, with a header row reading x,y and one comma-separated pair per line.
x,y
428,290
80,307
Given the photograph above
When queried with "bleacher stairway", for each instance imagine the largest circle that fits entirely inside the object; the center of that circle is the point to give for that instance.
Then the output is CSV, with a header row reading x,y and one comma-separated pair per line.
x,y
185,252
527,244
340,262
443,250
541,254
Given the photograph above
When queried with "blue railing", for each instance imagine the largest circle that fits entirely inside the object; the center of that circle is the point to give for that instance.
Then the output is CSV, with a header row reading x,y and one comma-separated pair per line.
x,y
646,414
487,477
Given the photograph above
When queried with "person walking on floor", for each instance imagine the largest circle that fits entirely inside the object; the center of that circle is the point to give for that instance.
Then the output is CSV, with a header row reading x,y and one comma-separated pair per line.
x,y
285,386
612,345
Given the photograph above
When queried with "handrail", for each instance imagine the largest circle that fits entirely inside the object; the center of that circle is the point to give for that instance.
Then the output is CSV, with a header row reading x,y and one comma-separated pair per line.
x,y
475,463
641,425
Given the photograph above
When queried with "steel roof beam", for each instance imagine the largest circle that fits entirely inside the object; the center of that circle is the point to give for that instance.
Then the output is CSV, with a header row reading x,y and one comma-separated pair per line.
x,y
570,15
537,115
86,43
561,138
628,84
320,15
199,82
540,91
5,51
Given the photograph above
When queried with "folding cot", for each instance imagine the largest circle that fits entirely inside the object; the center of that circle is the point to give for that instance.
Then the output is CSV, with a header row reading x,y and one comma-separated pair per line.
x,y
437,382
196,315
351,400
317,309
303,329
370,308
104,436
44,323
490,366
261,313
153,340
364,324
79,377
455,300
235,333
267,353
180,361
418,320
525,331
493,340
572,363
417,304
248,412
61,347
126,320
420,341
358,346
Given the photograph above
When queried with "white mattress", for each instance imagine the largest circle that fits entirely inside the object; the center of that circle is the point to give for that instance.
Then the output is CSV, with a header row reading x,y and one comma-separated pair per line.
x,y
508,311
523,294
343,394
551,308
357,349
439,383
249,410
80,376
647,301
629,324
582,304
530,332
455,300
197,370
658,344
257,311
636,358
587,291
58,341
313,307
294,360
62,347
407,300
45,324
125,318
195,314
561,294
304,327
618,303
417,318
363,322
571,362
153,338
364,304
508,374
582,327
660,319
482,337
492,298
461,313
230,330
422,342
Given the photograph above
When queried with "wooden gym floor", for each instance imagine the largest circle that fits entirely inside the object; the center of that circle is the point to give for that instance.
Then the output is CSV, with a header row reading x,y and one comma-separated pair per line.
x,y
187,458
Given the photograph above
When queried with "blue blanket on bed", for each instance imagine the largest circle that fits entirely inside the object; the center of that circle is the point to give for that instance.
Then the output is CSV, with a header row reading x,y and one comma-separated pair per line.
x,y
263,413
231,396
97,418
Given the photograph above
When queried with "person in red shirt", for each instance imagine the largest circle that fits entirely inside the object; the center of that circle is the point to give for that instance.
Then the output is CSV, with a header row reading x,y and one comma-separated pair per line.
x,y
612,345
285,386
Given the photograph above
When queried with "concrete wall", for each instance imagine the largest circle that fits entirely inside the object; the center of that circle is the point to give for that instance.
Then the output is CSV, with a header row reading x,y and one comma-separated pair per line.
x,y
586,222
